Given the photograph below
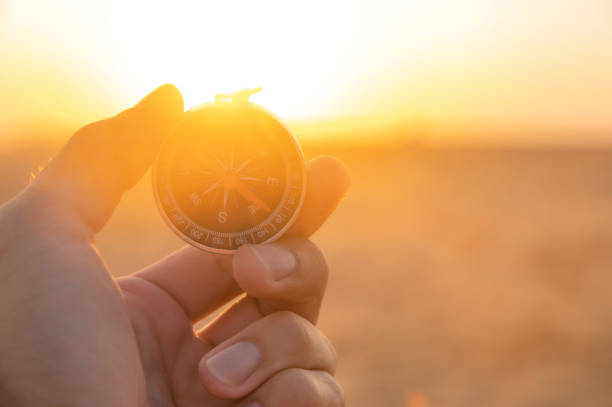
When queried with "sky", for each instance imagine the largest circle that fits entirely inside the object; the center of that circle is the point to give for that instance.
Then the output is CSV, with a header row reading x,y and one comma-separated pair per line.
x,y
534,67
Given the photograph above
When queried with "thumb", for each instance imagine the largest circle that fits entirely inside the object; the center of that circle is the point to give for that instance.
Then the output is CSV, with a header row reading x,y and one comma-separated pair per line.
x,y
104,159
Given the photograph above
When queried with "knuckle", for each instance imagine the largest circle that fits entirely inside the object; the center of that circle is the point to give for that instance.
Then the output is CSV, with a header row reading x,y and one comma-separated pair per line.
x,y
299,329
287,318
335,392
295,327
306,386
316,254
338,391
316,388
308,343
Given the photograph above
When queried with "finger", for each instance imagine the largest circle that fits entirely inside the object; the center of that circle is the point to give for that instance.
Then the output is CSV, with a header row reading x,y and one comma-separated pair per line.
x,y
277,342
288,275
188,274
298,388
104,159
198,281
328,180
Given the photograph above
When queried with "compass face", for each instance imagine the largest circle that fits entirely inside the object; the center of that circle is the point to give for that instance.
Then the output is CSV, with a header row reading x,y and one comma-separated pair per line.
x,y
229,174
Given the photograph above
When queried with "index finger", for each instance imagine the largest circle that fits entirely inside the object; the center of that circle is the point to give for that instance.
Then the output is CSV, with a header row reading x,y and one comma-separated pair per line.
x,y
201,282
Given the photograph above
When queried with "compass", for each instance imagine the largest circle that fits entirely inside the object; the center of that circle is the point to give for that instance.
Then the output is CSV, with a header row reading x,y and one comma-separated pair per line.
x,y
228,174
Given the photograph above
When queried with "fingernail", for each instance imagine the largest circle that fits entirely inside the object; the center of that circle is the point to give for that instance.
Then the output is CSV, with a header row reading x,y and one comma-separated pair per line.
x,y
278,261
233,365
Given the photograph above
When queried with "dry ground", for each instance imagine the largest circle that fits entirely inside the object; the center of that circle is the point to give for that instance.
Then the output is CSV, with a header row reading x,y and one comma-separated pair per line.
x,y
458,277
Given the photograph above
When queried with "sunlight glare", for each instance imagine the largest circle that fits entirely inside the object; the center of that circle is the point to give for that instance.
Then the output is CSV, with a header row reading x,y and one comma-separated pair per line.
x,y
210,47
461,64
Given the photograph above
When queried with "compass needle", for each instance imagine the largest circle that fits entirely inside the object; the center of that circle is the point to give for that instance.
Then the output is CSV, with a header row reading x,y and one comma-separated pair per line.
x,y
245,164
212,187
218,161
225,197
251,196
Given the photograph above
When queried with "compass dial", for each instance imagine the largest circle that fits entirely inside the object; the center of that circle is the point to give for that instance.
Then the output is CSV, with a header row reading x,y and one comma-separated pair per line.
x,y
230,173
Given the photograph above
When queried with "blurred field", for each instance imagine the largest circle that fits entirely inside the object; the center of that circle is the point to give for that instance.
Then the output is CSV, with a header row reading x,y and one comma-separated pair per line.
x,y
459,277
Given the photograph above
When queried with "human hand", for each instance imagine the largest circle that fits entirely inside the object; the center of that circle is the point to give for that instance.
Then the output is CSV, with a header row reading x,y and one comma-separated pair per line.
x,y
70,335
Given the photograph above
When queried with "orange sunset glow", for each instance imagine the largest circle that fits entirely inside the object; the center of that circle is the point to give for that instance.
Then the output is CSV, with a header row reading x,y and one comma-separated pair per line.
x,y
517,66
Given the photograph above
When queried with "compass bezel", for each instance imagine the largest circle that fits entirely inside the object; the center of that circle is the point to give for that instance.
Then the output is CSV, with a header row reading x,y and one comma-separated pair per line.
x,y
273,236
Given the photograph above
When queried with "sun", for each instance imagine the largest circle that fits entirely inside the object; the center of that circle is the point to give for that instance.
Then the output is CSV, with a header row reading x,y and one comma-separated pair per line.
x,y
211,47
